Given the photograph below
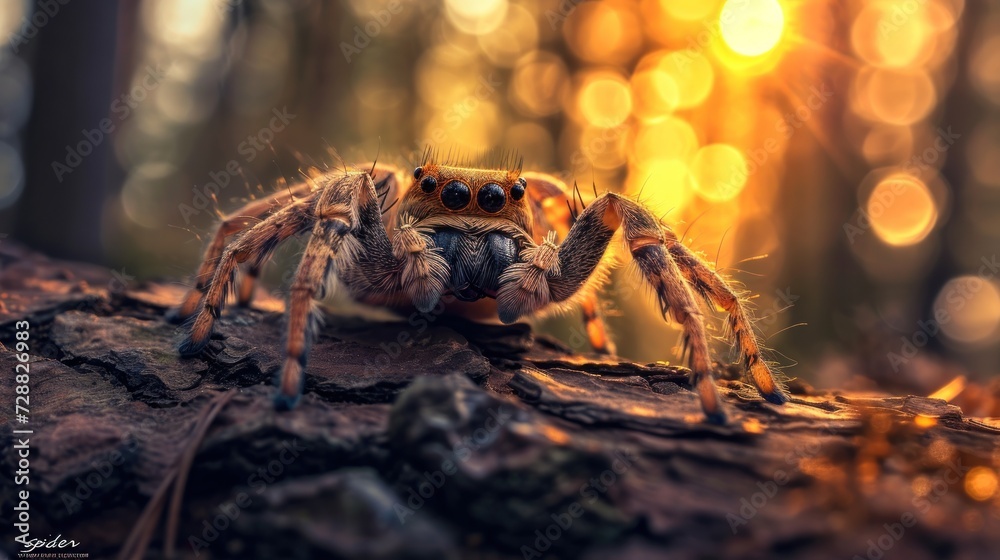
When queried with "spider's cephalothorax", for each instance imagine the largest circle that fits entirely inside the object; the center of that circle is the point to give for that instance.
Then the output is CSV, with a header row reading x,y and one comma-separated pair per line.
x,y
479,234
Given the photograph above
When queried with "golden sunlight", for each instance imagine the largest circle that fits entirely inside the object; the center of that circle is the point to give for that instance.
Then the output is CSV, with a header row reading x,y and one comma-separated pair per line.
x,y
752,27
718,172
902,210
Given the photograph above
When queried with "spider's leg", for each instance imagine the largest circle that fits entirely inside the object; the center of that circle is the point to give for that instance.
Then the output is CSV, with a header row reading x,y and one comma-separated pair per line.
x,y
717,291
234,223
350,233
551,273
593,323
244,294
555,211
307,287
677,298
254,245
387,184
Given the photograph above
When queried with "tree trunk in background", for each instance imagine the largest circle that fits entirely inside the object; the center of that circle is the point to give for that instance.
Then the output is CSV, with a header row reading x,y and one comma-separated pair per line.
x,y
76,46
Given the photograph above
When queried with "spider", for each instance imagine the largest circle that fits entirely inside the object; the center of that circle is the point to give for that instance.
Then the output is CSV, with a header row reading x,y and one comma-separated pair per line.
x,y
499,241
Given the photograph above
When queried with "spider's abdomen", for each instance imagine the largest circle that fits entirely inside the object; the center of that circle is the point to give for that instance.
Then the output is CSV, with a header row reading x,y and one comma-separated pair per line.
x,y
476,261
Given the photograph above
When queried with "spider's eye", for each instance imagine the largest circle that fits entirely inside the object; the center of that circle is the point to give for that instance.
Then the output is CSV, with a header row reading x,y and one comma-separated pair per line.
x,y
517,191
456,195
428,184
491,198
417,172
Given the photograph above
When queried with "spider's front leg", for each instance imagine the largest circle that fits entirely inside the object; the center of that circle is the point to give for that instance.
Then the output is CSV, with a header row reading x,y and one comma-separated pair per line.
x,y
349,234
550,196
553,273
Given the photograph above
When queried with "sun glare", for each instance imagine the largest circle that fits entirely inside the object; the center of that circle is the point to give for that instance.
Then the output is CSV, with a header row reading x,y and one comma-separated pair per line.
x,y
752,27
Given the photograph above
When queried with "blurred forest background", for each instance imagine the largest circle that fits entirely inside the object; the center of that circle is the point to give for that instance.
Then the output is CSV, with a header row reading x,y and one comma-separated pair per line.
x,y
853,146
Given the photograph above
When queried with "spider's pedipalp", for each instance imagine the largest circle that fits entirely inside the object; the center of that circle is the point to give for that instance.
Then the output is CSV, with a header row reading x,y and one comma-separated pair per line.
x,y
424,274
671,273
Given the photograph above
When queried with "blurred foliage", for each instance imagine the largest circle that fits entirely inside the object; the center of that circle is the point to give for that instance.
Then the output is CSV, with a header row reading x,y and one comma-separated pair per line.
x,y
838,158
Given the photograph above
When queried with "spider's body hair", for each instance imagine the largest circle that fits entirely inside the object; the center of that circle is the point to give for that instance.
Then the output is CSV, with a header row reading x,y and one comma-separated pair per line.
x,y
484,241
486,160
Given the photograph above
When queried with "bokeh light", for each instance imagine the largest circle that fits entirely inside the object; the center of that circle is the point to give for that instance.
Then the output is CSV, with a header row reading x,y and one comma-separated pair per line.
x,y
981,483
752,27
690,10
882,36
902,210
985,68
690,72
898,97
603,32
718,172
516,35
778,120
655,93
481,16
605,99
666,139
664,183
968,309
539,84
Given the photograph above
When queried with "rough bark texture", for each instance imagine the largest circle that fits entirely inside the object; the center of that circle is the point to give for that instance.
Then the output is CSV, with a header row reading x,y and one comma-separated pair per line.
x,y
472,442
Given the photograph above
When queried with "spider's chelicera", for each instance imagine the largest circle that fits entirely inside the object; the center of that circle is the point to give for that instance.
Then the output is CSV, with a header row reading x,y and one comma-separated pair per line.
x,y
483,234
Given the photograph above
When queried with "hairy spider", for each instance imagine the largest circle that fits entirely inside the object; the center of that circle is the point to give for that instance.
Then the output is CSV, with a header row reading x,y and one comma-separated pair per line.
x,y
490,235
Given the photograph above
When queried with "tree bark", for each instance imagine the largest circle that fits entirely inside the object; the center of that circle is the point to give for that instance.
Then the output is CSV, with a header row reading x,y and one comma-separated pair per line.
x,y
435,438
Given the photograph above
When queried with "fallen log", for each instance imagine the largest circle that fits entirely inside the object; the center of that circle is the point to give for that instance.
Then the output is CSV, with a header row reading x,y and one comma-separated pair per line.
x,y
466,441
